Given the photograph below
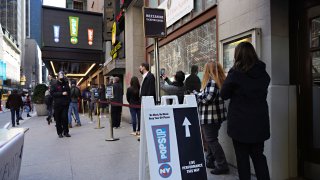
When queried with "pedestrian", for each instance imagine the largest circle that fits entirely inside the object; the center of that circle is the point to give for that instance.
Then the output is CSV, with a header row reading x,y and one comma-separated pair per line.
x,y
176,87
102,100
48,99
116,109
133,97
86,96
60,92
212,112
27,105
148,85
248,118
14,103
23,97
75,94
193,82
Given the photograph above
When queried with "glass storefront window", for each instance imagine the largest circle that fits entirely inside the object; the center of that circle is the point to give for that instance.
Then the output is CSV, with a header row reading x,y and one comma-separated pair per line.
x,y
193,48
198,8
315,32
228,51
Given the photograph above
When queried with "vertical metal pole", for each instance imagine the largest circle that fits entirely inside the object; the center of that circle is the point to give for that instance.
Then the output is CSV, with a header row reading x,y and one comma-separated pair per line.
x,y
82,104
98,116
111,138
157,73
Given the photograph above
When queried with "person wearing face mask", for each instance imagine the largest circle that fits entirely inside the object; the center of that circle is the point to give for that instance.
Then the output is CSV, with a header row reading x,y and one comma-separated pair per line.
x,y
60,92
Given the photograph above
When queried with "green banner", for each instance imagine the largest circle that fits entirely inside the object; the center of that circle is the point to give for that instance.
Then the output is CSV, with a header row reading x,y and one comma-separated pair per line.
x,y
74,26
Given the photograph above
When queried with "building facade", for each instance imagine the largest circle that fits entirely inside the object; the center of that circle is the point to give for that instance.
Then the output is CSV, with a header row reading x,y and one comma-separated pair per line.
x,y
286,37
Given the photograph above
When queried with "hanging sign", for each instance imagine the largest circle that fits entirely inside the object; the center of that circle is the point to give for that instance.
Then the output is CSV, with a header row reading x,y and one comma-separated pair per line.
x,y
154,22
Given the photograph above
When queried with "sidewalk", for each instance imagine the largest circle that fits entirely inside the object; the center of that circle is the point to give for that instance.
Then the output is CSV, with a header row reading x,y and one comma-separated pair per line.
x,y
86,155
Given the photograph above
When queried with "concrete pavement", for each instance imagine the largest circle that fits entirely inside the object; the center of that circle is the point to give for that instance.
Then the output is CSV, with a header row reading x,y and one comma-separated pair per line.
x,y
86,155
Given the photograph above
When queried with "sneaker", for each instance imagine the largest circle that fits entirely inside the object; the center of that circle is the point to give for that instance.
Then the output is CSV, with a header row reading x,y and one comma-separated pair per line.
x,y
78,124
217,171
60,136
28,115
67,135
138,133
133,133
18,123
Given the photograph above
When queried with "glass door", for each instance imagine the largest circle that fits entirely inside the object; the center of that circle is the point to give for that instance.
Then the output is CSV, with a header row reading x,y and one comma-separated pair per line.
x,y
312,116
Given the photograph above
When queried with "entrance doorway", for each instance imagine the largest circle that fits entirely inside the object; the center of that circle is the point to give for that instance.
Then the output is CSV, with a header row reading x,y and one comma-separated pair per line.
x,y
309,96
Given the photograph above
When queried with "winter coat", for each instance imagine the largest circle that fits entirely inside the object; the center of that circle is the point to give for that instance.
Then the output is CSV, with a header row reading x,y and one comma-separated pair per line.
x,y
248,115
56,91
117,93
193,83
133,96
14,101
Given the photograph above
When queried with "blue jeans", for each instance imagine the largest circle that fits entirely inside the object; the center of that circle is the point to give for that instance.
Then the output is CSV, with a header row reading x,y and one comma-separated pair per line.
x,y
73,106
13,113
135,112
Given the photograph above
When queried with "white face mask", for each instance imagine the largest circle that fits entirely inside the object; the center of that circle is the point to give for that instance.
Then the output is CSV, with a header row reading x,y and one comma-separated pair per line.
x,y
61,76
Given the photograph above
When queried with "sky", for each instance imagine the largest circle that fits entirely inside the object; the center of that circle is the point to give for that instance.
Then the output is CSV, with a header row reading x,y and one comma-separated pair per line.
x,y
55,3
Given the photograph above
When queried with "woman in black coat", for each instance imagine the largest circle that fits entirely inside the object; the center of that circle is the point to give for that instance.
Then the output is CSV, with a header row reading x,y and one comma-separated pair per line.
x,y
248,118
133,97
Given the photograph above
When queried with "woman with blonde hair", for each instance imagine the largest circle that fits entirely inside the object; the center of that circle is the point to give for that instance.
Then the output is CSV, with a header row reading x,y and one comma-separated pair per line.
x,y
212,113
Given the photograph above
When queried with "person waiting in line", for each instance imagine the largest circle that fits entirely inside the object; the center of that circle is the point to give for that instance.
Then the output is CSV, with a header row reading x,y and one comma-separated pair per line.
x,y
116,109
193,82
48,99
102,100
60,92
75,94
133,97
248,118
93,100
212,112
176,87
86,96
14,103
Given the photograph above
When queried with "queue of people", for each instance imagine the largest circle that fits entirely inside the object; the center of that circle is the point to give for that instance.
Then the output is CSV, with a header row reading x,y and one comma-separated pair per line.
x,y
246,86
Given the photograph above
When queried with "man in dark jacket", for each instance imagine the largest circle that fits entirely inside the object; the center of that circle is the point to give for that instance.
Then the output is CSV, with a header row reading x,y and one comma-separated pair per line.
x,y
116,110
75,94
61,96
193,81
176,87
14,104
148,85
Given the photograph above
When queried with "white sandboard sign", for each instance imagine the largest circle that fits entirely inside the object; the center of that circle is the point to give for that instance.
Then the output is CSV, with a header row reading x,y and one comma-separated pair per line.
x,y
171,137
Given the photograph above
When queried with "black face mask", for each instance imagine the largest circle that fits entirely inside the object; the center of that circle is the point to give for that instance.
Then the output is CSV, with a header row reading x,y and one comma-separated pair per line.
x,y
141,71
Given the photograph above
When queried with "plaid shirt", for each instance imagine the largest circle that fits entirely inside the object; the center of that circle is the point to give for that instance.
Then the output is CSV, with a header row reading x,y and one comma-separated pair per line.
x,y
211,107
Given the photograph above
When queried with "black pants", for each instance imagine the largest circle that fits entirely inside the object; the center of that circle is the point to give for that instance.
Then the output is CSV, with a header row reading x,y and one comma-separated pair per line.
x,y
116,115
254,150
61,118
13,113
211,132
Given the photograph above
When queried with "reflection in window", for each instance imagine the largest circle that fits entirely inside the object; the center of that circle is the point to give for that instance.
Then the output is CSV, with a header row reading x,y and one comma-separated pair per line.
x,y
316,67
315,32
209,3
193,48
228,51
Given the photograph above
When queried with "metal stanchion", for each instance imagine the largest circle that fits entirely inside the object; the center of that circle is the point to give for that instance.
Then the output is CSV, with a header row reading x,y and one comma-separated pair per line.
x,y
82,104
98,115
90,113
111,138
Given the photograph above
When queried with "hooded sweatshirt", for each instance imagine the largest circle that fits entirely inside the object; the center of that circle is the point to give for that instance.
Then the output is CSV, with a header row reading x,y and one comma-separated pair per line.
x,y
248,115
